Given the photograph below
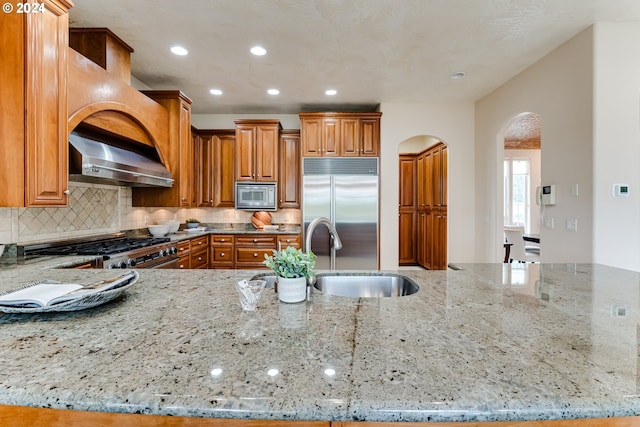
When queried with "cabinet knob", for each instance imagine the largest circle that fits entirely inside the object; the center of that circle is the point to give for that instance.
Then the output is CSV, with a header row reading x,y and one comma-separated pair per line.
x,y
181,266
255,240
255,255
221,254
222,240
199,243
199,258
67,192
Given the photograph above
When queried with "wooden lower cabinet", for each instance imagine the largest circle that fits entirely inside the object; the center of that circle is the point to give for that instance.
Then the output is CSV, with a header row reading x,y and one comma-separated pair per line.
x,y
20,416
247,251
407,225
193,253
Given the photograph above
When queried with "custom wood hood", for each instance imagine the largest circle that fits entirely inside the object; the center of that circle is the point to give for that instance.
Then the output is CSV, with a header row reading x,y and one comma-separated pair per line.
x,y
104,101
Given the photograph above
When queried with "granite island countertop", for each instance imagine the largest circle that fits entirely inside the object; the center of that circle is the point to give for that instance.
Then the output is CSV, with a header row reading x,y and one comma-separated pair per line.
x,y
490,342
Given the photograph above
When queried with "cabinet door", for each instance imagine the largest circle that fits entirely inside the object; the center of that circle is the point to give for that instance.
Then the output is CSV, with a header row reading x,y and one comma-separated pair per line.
x,y
370,137
407,199
330,137
436,198
421,182
407,234
444,174
350,134
429,188
266,153
245,153
203,170
187,198
223,170
311,136
46,156
422,239
290,177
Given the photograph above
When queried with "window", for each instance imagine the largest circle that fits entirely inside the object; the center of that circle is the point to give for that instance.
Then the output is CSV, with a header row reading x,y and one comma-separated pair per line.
x,y
516,192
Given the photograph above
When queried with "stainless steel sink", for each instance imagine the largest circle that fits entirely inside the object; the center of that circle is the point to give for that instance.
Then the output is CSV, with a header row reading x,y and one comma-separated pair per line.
x,y
357,285
366,285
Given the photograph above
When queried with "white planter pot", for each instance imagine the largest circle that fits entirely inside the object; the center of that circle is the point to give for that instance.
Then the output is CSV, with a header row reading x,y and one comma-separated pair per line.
x,y
292,290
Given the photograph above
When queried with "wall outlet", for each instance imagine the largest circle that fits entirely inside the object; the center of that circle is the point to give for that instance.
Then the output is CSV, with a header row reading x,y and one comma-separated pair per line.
x,y
572,224
619,310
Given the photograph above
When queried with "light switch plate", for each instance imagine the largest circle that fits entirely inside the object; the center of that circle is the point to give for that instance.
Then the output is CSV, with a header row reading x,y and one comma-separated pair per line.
x,y
572,224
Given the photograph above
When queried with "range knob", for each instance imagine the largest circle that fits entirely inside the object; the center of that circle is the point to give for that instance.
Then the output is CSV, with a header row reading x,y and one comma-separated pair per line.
x,y
163,252
132,263
173,250
122,264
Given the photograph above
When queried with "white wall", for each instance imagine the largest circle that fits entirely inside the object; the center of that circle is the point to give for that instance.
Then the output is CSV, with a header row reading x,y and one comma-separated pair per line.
x,y
559,88
453,125
617,144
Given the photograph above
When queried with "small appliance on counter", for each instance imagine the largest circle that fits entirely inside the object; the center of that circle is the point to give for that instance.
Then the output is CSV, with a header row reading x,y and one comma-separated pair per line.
x,y
262,221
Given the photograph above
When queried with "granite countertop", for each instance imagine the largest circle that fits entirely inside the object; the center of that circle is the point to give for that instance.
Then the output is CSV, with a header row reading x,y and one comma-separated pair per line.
x,y
490,342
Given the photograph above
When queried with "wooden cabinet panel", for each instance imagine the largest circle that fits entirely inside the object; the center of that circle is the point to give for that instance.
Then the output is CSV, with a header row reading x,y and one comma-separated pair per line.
x,y
407,236
184,262
223,159
178,156
431,207
222,251
290,172
294,240
370,137
203,170
250,250
200,259
33,142
408,178
256,155
340,134
350,133
246,240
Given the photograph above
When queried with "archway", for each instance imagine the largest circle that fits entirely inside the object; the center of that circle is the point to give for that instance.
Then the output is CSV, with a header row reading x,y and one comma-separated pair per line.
x,y
423,203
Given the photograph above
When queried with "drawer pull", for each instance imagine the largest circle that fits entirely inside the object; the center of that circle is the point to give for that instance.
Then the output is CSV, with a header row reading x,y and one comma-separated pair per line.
x,y
199,243
221,254
255,255
255,240
222,240
199,258
181,266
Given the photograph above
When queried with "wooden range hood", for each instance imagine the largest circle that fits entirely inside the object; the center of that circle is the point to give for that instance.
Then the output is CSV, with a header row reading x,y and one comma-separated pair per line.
x,y
100,96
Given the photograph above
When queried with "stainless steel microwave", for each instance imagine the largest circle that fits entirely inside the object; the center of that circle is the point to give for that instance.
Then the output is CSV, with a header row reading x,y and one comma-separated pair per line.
x,y
256,196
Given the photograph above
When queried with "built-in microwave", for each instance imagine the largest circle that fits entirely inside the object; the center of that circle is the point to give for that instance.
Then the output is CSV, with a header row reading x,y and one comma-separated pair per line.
x,y
256,196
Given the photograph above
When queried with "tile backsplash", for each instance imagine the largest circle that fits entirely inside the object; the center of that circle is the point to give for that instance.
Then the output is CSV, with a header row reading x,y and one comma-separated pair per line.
x,y
101,209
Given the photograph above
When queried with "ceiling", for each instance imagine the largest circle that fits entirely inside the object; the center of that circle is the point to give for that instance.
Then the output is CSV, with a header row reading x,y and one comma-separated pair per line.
x,y
370,51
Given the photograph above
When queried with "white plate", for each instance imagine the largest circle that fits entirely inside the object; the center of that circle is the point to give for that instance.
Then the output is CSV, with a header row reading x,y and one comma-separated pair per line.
x,y
196,230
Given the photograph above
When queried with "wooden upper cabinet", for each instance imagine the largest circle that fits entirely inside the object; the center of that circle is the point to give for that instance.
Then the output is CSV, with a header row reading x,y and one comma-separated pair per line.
x,y
256,156
223,170
340,134
290,172
408,178
203,169
178,155
214,167
33,143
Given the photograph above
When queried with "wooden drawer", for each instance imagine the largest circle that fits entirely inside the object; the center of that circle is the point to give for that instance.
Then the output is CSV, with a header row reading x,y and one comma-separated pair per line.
x,y
183,247
199,242
294,240
251,257
200,258
223,239
222,256
184,262
253,241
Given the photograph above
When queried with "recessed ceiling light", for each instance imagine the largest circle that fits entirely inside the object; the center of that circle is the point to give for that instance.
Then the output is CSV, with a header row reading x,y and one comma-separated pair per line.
x,y
273,92
457,75
179,50
258,50
215,92
330,92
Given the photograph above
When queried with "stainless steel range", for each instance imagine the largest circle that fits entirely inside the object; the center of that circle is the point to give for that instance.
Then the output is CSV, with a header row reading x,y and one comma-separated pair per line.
x,y
117,250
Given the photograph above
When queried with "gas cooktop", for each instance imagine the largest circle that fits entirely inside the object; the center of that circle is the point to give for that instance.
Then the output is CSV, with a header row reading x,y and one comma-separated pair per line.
x,y
102,245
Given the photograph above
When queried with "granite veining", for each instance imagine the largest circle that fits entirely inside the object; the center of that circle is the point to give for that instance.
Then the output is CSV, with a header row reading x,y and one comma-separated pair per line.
x,y
490,342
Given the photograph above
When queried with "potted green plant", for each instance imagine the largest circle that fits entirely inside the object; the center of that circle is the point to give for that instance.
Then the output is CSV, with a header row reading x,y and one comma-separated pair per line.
x,y
293,267
192,223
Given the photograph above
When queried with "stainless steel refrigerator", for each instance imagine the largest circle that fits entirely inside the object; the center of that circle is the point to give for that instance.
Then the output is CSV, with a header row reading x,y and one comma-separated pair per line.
x,y
344,190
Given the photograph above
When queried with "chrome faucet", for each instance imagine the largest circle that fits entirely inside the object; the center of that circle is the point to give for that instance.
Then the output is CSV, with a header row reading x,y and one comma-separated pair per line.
x,y
336,244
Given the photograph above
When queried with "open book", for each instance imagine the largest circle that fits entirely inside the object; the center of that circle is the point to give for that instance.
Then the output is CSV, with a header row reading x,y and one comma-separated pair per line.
x,y
45,294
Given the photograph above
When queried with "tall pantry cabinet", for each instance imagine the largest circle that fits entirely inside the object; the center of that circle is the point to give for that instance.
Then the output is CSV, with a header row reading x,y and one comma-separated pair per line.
x,y
423,208
33,142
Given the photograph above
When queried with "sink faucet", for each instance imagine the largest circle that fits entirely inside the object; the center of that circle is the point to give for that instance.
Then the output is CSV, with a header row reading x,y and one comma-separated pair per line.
x,y
337,244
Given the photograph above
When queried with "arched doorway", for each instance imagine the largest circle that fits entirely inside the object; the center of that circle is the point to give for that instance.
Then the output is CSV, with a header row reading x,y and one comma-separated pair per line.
x,y
422,233
522,174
